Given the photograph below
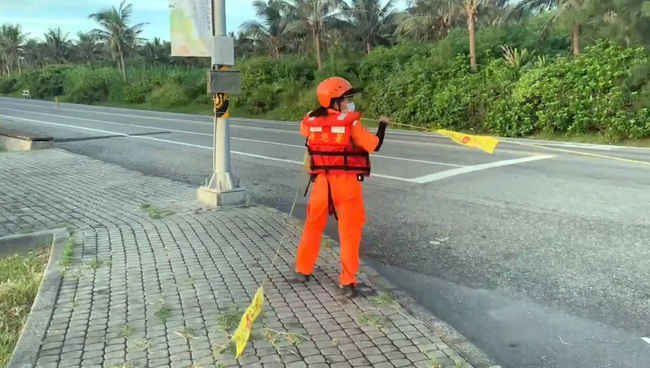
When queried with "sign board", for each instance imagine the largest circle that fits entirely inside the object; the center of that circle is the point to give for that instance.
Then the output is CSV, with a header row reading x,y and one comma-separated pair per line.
x,y
226,81
191,28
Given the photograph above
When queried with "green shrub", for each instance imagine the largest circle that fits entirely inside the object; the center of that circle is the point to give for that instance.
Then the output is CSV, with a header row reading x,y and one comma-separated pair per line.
x,y
9,85
266,82
169,95
89,86
604,91
576,96
137,92
47,82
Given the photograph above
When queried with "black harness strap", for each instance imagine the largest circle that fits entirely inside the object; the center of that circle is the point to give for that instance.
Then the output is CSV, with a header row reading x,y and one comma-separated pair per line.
x,y
312,179
330,201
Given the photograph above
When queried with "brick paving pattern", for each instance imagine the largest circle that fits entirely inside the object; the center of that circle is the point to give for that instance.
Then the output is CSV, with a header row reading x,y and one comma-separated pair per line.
x,y
148,292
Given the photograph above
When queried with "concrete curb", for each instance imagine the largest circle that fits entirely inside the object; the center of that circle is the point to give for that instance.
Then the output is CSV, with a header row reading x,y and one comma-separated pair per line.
x,y
18,243
442,330
28,346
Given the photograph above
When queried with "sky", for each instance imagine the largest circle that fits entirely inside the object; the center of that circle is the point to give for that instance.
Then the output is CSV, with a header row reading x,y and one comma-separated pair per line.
x,y
36,16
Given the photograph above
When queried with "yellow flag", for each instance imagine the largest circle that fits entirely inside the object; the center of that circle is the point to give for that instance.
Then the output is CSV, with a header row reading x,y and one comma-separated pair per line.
x,y
253,311
306,161
487,144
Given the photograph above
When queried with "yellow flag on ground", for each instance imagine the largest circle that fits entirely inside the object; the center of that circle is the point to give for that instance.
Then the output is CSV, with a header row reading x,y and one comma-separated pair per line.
x,y
487,144
253,311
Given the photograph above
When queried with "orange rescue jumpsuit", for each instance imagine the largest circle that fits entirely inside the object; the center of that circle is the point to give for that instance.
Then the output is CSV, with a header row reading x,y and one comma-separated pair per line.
x,y
347,197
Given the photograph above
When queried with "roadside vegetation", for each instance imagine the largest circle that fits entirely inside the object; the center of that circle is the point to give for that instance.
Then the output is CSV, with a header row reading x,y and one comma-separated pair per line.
x,y
576,69
20,279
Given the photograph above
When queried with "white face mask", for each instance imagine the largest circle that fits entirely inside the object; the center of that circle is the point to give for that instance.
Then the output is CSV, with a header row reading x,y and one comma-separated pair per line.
x,y
351,107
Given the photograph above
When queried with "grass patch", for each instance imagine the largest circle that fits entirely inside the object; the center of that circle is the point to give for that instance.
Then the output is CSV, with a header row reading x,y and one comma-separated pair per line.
x,y
143,344
383,299
186,333
20,278
227,321
125,331
370,320
274,336
94,264
68,254
163,314
155,212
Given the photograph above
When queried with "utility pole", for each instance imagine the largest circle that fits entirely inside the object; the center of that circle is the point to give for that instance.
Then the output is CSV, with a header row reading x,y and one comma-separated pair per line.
x,y
223,189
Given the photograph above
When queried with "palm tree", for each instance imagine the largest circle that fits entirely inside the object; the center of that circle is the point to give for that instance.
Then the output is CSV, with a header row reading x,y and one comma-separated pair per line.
x,y
86,47
115,31
12,40
470,9
34,53
624,21
271,32
371,20
428,19
313,17
494,12
559,8
156,52
244,45
57,46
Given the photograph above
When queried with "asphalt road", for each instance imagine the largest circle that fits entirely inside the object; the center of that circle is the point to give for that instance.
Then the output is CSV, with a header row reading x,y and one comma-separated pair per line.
x,y
539,257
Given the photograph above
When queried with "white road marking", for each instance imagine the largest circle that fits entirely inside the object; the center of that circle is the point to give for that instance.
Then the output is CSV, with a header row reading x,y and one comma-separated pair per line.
x,y
646,339
210,135
186,144
468,169
96,110
374,155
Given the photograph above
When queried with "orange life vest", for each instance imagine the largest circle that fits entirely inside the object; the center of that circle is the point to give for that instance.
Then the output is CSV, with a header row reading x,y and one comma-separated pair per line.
x,y
329,143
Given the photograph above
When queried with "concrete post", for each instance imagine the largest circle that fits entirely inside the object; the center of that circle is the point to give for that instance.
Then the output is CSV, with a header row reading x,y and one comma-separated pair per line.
x,y
223,189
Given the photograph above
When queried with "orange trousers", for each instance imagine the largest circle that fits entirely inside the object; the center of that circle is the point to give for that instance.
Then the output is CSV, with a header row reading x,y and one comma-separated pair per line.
x,y
347,196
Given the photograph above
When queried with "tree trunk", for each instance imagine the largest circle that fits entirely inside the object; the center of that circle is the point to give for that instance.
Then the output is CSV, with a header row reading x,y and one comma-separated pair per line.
x,y
123,67
317,42
575,35
20,70
472,42
368,47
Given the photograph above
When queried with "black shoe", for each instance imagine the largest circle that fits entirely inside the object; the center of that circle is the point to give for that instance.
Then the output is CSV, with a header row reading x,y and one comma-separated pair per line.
x,y
299,277
349,290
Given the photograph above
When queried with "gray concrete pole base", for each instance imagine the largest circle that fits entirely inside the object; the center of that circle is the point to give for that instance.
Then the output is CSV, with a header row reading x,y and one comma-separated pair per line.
x,y
237,197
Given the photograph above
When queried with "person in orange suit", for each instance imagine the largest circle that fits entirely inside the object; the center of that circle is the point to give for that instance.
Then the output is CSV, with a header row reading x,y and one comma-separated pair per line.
x,y
338,147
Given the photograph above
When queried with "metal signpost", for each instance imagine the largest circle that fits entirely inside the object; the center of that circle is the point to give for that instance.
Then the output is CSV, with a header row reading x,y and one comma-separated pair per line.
x,y
223,189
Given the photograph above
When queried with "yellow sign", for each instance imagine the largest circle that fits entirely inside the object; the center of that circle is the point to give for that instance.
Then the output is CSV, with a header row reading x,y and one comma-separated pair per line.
x,y
246,324
487,144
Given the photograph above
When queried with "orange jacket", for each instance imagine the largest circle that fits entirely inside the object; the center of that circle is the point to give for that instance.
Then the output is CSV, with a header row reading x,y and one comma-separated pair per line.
x,y
338,143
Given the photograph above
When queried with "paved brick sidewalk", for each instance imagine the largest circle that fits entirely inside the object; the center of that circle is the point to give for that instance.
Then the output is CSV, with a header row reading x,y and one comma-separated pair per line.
x,y
149,292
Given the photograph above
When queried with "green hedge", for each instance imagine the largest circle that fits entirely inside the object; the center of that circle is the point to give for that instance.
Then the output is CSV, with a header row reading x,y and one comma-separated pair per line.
x,y
605,91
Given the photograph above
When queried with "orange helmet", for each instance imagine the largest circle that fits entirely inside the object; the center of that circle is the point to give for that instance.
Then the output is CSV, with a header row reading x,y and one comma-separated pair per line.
x,y
335,87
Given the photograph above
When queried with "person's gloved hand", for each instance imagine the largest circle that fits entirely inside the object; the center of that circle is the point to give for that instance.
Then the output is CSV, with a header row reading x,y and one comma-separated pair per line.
x,y
385,120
